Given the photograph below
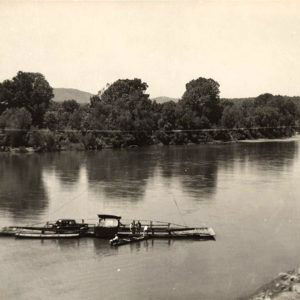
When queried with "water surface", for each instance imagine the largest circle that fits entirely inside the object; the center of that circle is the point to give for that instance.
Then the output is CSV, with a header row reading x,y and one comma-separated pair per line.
x,y
248,192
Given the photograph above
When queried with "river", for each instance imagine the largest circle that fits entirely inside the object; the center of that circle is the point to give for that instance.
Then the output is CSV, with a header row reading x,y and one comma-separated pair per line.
x,y
248,192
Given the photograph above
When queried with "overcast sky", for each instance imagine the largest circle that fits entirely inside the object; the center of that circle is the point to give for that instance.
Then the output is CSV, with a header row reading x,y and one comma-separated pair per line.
x,y
249,47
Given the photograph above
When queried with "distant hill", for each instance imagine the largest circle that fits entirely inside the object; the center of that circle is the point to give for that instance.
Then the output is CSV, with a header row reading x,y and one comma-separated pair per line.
x,y
164,99
61,94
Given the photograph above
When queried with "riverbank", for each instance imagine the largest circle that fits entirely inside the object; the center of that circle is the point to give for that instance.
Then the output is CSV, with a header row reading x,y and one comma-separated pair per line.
x,y
285,286
56,141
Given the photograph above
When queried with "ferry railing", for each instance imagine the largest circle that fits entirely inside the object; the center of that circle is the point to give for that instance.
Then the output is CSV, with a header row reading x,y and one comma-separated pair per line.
x,y
125,224
160,225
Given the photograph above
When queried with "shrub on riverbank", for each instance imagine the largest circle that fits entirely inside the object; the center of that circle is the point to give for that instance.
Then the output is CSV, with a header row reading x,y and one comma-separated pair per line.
x,y
44,141
48,141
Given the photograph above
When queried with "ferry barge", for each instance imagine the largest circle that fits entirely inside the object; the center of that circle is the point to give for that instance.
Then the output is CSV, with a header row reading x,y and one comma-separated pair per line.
x,y
107,227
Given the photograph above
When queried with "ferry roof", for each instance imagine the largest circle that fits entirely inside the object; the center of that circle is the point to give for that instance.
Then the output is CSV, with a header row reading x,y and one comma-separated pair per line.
x,y
109,217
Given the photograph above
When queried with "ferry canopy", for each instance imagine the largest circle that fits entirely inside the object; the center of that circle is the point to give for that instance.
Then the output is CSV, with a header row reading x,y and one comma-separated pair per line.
x,y
109,217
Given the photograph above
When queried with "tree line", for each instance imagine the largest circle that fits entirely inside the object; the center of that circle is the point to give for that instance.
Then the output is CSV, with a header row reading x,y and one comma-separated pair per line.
x,y
123,115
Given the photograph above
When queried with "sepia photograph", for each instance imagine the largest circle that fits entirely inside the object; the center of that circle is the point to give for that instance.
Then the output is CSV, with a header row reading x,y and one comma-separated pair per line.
x,y
149,149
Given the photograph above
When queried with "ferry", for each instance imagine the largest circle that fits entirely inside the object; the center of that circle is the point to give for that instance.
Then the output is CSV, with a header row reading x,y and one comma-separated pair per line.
x,y
108,226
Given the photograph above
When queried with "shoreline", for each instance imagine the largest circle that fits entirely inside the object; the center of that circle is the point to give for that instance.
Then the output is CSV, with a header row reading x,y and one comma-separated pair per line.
x,y
79,147
285,286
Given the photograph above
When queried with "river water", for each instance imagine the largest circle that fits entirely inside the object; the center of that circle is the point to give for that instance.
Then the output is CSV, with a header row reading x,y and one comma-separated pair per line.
x,y
248,192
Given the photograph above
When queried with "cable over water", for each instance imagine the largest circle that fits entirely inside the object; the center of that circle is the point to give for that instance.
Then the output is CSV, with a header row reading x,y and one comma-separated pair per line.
x,y
146,131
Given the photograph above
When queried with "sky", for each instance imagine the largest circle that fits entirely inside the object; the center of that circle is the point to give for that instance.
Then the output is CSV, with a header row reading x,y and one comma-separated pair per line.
x,y
249,47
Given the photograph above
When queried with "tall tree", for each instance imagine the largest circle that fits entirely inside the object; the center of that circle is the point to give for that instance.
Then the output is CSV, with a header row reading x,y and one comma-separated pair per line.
x,y
70,105
202,98
29,90
17,121
124,105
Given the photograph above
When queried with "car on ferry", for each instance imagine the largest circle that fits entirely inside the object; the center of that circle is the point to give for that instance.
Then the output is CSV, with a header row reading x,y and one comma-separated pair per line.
x,y
69,225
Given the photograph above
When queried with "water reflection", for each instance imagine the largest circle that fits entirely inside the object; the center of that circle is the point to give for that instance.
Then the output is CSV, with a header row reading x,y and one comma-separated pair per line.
x,y
22,190
259,157
120,174
195,166
103,248
63,243
67,165
152,244
124,176
277,154
100,247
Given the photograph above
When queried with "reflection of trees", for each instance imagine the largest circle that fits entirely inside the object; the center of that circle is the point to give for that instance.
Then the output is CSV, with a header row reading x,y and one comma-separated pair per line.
x,y
124,174
194,166
260,155
277,154
64,244
121,173
22,191
66,165
197,167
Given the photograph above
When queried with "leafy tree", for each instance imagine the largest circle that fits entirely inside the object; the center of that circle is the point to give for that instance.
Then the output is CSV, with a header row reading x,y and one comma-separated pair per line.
x,y
265,110
202,98
263,99
125,106
17,121
125,91
68,114
266,116
287,110
44,140
275,110
168,116
28,90
78,119
91,142
70,106
16,118
228,119
51,120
